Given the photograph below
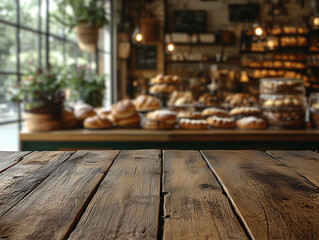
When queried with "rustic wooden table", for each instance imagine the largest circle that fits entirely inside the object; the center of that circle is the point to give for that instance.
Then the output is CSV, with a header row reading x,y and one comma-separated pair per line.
x,y
153,194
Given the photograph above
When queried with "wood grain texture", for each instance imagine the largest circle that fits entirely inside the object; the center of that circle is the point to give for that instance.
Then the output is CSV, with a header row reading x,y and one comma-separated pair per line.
x,y
306,163
194,205
52,209
8,159
273,201
126,205
22,178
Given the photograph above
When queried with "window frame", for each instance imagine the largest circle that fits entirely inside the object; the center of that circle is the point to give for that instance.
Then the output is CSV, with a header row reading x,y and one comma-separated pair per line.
x,y
47,34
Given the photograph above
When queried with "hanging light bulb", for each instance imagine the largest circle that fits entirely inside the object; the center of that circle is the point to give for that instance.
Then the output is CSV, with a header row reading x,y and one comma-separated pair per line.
x,y
170,47
137,36
258,31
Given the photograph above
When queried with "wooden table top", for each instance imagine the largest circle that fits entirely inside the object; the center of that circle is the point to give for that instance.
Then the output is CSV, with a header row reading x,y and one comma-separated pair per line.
x,y
181,135
153,194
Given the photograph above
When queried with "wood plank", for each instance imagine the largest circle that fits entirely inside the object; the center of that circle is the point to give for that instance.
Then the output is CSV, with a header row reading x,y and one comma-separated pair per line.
x,y
306,163
273,201
126,205
52,209
21,179
194,205
8,159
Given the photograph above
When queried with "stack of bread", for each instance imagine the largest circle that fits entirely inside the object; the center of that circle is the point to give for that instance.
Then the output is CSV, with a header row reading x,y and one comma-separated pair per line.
x,y
164,83
124,114
218,118
191,120
160,119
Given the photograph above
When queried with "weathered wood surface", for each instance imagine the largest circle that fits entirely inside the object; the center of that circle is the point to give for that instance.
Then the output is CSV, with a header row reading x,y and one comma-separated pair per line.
x,y
8,159
19,180
305,163
51,210
126,205
273,201
194,205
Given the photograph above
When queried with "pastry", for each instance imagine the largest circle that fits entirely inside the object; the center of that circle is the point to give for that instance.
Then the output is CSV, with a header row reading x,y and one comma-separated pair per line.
x,y
97,122
221,122
147,103
159,78
209,100
68,119
179,98
251,122
285,118
131,121
192,123
123,109
215,112
160,119
245,111
162,88
281,86
285,101
241,99
83,111
190,115
162,115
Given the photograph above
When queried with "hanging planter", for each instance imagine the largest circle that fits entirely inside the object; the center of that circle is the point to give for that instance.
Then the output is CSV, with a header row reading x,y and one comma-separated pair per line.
x,y
87,37
86,17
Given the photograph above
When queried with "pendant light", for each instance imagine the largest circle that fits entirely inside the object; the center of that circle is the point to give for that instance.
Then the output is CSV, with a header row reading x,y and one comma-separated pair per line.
x,y
137,36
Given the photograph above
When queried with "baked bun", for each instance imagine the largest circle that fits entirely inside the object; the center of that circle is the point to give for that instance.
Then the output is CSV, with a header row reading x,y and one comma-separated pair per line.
x,y
245,111
146,103
68,119
190,115
221,122
132,121
83,111
162,115
104,112
155,124
97,122
215,112
123,109
192,123
251,123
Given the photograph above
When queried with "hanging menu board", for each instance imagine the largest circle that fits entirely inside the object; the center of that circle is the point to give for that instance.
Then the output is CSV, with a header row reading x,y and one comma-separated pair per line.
x,y
243,12
146,57
187,21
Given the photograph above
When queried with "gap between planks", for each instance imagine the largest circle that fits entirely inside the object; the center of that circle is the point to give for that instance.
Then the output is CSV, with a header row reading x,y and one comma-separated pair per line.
x,y
231,203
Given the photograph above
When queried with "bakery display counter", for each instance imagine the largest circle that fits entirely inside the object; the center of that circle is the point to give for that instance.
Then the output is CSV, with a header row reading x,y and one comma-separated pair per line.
x,y
170,139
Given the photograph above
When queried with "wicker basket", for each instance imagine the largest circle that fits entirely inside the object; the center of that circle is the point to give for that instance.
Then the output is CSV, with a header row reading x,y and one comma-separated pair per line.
x,y
87,37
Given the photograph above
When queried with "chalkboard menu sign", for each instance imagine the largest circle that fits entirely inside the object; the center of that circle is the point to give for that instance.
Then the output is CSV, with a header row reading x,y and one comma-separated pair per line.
x,y
190,21
243,12
146,56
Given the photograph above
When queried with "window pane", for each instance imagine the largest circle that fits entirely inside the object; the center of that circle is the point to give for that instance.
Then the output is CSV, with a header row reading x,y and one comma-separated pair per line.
x,y
29,13
29,49
8,59
10,142
71,53
55,26
8,110
56,51
8,10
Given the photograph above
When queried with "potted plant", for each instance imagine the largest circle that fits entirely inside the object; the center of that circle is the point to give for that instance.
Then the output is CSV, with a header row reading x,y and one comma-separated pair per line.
x,y
87,16
41,94
84,84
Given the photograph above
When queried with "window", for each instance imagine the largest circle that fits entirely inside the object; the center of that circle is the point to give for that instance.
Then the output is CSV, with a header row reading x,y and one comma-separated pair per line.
x,y
30,35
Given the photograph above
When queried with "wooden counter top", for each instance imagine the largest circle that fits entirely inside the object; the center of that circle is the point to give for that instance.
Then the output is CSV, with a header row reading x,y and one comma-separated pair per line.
x,y
154,194
135,135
